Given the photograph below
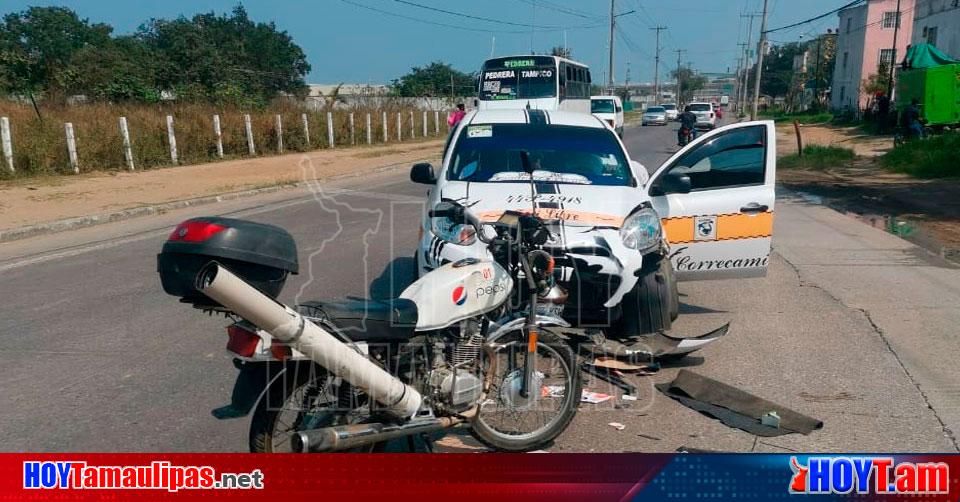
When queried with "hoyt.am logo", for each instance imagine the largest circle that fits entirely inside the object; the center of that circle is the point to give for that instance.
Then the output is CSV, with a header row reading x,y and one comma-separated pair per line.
x,y
876,475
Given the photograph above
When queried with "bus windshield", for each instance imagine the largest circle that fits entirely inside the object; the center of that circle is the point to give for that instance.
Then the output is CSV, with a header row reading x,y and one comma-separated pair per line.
x,y
529,77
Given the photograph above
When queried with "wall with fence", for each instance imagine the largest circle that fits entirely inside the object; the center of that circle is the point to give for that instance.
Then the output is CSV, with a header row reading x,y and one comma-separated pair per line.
x,y
98,137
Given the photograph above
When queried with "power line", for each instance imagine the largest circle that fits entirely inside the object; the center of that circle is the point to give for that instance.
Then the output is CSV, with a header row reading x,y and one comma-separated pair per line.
x,y
560,8
470,16
425,21
821,16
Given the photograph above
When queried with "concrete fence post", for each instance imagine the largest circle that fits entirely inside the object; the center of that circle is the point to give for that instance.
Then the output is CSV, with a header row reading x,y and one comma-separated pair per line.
x,y
127,150
279,134
249,128
436,123
424,123
353,136
6,143
399,128
171,139
369,131
72,148
306,129
386,128
330,129
219,134
413,126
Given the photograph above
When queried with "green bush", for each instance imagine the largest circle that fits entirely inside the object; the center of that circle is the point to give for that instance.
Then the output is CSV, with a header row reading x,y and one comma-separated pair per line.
x,y
935,157
818,157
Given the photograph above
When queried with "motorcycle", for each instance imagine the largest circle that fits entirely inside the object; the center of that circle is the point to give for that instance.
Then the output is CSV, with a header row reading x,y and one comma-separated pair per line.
x,y
686,136
470,344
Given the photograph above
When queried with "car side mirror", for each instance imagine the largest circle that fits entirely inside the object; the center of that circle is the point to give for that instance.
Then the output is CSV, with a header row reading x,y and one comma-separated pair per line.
x,y
422,172
672,183
639,172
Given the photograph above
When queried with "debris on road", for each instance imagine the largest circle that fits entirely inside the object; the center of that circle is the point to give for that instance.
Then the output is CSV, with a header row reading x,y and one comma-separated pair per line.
x,y
594,397
770,419
616,364
617,425
647,436
628,397
610,376
655,345
735,407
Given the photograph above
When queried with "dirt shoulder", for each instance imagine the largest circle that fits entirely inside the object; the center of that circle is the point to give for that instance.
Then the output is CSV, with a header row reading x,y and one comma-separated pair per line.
x,y
28,202
922,210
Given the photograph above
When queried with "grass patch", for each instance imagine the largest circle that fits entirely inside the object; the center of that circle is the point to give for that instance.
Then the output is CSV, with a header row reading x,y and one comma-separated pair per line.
x,y
935,157
818,157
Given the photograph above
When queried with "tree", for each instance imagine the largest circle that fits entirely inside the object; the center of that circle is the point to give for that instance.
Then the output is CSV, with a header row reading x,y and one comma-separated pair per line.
x,y
38,43
690,82
559,51
198,56
436,79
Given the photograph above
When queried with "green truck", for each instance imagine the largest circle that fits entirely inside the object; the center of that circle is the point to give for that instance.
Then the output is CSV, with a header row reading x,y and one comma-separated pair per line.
x,y
933,79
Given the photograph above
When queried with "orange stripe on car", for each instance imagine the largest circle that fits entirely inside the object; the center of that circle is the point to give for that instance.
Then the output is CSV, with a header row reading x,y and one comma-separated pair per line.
x,y
729,226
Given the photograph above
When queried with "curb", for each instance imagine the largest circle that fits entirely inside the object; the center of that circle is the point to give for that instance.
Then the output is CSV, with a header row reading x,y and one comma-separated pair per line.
x,y
76,222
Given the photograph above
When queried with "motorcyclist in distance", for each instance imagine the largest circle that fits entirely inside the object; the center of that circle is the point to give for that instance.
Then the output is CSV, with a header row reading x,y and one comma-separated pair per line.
x,y
688,122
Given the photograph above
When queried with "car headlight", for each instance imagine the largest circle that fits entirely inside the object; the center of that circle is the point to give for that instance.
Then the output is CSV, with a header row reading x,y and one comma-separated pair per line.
x,y
445,229
641,230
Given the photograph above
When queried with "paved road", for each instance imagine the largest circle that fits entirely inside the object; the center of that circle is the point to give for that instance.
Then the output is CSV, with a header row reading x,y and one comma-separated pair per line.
x,y
852,326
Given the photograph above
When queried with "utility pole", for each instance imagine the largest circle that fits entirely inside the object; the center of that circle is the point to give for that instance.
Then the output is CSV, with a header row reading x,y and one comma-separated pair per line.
x,y
893,56
656,65
679,96
741,77
761,47
746,62
613,25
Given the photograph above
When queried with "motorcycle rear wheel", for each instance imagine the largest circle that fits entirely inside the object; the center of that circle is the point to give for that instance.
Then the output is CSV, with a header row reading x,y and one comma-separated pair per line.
x,y
545,394
296,393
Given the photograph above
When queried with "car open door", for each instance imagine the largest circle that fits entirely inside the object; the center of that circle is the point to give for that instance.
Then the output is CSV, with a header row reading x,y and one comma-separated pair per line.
x,y
715,198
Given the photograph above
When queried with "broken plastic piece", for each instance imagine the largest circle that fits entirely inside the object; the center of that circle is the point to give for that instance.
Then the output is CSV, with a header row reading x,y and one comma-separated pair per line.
x,y
770,419
617,425
594,397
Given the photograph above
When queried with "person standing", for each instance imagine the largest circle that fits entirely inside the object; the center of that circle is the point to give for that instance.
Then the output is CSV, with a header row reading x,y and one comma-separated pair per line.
x,y
456,116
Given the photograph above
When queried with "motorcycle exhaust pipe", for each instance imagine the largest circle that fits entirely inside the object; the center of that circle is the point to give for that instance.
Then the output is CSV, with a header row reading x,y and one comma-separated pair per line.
x,y
398,399
344,437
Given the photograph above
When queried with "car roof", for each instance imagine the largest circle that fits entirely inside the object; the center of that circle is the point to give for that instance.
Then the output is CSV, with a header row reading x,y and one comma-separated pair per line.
x,y
521,116
615,98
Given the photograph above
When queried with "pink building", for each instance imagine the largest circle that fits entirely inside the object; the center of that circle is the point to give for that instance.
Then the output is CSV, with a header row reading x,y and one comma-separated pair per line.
x,y
864,43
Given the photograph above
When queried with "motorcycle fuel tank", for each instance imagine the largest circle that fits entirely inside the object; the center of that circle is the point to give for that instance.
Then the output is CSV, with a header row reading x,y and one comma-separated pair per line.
x,y
457,291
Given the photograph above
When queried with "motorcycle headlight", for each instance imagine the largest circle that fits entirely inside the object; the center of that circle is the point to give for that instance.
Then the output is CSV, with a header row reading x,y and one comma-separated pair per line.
x,y
445,229
641,230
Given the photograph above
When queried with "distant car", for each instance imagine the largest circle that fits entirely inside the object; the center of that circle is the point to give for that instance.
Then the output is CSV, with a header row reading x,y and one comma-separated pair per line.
x,y
672,112
706,116
610,110
654,115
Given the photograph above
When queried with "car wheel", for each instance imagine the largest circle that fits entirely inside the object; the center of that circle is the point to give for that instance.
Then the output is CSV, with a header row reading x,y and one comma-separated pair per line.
x,y
649,307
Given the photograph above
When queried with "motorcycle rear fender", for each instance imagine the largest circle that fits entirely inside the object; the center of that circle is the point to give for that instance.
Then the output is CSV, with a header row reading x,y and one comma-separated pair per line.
x,y
251,384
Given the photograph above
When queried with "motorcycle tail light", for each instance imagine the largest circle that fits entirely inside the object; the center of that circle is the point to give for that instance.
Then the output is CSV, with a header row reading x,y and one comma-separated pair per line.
x,y
280,351
195,231
242,342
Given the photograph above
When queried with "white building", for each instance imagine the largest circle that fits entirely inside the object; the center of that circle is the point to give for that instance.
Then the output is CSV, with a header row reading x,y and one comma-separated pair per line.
x,y
937,22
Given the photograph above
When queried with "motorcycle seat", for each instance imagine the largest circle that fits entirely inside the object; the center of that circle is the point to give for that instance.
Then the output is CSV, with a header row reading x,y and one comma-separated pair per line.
x,y
365,319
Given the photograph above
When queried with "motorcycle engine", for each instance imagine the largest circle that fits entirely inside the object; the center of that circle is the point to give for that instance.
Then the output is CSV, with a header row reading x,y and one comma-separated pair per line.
x,y
455,378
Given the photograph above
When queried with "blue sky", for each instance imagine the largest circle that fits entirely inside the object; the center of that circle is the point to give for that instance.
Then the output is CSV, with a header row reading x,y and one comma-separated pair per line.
x,y
347,43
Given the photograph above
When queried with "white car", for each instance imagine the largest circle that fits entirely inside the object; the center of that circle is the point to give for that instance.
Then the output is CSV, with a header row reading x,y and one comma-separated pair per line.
x,y
706,115
672,112
654,115
610,110
621,239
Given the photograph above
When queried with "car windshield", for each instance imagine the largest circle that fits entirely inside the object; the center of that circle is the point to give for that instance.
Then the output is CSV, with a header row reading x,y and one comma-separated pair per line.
x,y
669,107
700,107
558,154
601,106
656,109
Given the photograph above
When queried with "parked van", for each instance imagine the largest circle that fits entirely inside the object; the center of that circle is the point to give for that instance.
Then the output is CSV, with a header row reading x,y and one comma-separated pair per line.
x,y
610,110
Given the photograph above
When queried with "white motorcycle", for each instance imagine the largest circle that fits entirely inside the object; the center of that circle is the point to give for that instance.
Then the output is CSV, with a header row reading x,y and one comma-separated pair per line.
x,y
468,344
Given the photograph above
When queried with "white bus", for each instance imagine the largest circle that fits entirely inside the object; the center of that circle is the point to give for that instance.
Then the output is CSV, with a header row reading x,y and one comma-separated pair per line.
x,y
535,82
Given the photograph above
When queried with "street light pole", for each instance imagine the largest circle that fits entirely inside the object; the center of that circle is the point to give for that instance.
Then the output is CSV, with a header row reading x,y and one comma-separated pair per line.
x,y
679,96
613,25
656,65
760,50
893,56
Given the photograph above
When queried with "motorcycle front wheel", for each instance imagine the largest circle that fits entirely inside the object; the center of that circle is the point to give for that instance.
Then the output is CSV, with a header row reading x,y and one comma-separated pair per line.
x,y
508,421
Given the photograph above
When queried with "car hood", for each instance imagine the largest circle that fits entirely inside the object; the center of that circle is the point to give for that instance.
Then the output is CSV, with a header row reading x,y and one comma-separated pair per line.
x,y
574,205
